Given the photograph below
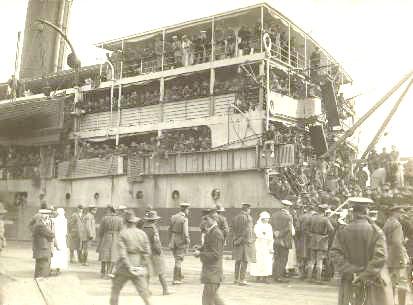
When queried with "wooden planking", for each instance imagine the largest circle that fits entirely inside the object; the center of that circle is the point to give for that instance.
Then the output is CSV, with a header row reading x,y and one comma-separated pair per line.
x,y
89,168
222,103
203,162
174,111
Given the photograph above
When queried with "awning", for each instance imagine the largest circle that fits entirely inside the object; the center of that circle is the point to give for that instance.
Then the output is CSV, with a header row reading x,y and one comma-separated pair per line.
x,y
26,118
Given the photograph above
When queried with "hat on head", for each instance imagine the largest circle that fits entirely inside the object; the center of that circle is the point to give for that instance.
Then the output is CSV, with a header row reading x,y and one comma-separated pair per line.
x,y
360,201
2,209
245,204
131,218
184,204
45,211
323,206
151,215
286,202
80,206
396,208
373,212
208,210
265,215
220,208
121,207
92,206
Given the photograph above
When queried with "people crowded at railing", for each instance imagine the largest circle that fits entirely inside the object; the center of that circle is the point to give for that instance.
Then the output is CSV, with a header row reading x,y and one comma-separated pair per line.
x,y
187,48
186,89
19,161
138,96
193,139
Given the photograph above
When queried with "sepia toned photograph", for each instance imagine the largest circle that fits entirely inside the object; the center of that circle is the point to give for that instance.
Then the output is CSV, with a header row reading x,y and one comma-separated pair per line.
x,y
213,152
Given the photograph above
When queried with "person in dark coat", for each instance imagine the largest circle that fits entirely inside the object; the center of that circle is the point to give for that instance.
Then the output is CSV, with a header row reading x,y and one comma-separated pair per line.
x,y
157,259
222,221
76,234
243,243
282,224
133,263
211,254
90,228
320,231
303,247
108,234
359,255
397,259
179,240
42,244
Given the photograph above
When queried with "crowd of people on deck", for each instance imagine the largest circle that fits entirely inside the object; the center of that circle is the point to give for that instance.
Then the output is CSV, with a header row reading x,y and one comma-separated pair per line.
x,y
169,142
185,49
19,161
181,89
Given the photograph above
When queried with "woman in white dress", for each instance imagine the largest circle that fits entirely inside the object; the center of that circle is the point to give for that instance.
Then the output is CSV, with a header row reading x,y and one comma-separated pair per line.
x,y
60,256
262,269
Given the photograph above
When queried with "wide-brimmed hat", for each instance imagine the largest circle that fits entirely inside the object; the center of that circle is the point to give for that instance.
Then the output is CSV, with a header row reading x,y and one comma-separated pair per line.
x,y
287,202
184,204
122,207
151,215
245,204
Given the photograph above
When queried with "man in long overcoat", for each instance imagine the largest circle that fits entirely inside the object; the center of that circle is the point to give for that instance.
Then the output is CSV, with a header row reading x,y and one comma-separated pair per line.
x,y
320,231
179,240
243,243
211,254
42,244
108,249
359,254
282,224
90,228
397,259
303,246
76,234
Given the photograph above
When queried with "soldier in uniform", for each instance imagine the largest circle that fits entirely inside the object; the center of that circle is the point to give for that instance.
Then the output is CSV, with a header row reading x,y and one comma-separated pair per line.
x,y
320,231
133,263
179,240
90,227
76,234
158,264
303,233
109,230
222,221
397,259
211,254
42,244
243,243
282,225
359,255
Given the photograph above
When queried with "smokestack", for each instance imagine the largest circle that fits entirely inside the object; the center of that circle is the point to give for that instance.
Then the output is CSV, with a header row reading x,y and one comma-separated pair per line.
x,y
41,44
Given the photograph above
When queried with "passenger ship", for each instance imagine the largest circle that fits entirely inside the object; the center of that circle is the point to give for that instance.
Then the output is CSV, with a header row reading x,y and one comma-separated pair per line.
x,y
208,111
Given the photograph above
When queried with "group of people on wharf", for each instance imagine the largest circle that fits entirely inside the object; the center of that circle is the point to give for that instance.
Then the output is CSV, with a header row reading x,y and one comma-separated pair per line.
x,y
368,258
